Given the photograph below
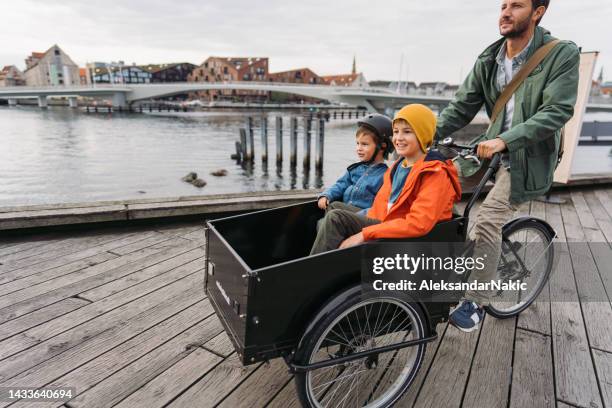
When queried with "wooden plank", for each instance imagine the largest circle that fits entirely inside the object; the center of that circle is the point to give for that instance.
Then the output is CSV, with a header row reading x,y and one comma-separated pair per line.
x,y
583,211
165,387
259,389
40,316
52,217
561,404
574,371
197,236
537,316
287,398
605,200
77,251
179,230
128,248
211,206
289,194
57,249
126,367
215,385
220,344
44,276
120,300
596,308
49,360
597,210
192,258
532,374
47,286
601,256
24,243
408,399
603,364
489,379
97,275
447,377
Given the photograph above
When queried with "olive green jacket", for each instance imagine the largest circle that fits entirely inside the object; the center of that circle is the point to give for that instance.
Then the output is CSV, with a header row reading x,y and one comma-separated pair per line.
x,y
543,104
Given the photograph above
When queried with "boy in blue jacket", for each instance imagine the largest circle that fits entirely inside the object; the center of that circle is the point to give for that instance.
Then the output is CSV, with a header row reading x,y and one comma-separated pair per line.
x,y
356,189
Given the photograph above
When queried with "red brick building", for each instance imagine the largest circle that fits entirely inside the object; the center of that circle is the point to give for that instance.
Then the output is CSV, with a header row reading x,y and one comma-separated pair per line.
x,y
11,76
227,69
297,76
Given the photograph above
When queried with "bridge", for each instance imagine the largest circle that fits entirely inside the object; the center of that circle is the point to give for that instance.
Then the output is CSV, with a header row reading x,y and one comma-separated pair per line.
x,y
374,99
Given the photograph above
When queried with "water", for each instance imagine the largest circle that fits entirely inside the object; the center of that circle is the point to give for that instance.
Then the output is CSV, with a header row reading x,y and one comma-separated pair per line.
x,y
60,155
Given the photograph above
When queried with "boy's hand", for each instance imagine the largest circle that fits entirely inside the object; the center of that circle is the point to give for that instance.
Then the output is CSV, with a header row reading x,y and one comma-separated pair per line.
x,y
352,240
487,149
323,203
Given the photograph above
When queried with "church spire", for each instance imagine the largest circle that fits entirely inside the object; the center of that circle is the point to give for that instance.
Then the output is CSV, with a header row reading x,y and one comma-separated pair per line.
x,y
354,71
600,79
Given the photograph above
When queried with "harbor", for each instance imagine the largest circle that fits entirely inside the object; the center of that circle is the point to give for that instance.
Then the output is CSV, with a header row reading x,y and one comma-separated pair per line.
x,y
63,156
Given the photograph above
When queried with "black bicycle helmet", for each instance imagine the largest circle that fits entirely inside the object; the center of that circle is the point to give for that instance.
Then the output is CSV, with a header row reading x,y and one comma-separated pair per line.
x,y
382,126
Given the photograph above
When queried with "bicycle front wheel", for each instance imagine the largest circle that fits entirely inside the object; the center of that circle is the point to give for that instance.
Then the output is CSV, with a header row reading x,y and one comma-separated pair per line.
x,y
526,259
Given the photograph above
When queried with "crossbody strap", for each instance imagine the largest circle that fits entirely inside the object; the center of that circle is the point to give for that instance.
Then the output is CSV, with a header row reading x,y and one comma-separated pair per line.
x,y
520,76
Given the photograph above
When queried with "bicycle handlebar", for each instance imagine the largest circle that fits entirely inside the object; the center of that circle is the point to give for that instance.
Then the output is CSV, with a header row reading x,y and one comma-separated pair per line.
x,y
469,152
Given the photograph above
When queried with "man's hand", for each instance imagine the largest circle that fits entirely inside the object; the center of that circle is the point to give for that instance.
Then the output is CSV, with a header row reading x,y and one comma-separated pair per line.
x,y
352,240
323,202
487,149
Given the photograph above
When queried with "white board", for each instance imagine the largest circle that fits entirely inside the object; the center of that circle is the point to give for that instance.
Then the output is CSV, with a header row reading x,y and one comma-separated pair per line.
x,y
573,128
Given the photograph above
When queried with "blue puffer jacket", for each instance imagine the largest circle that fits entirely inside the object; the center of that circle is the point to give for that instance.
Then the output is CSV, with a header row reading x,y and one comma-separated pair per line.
x,y
358,186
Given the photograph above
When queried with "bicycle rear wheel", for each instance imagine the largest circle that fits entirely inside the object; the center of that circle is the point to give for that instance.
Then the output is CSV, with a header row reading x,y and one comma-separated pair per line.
x,y
526,258
359,324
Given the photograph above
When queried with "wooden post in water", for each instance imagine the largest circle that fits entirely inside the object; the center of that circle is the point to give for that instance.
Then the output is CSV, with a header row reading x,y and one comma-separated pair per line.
x,y
342,115
307,138
319,143
350,113
243,144
279,140
264,139
293,141
250,156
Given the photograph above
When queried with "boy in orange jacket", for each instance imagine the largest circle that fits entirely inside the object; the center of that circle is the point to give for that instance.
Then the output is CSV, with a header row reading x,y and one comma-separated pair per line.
x,y
418,191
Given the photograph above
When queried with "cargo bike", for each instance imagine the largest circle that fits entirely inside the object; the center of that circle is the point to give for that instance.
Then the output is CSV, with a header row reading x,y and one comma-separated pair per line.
x,y
345,346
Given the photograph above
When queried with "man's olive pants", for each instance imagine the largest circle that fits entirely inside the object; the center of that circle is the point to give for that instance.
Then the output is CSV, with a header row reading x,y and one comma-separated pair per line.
x,y
495,211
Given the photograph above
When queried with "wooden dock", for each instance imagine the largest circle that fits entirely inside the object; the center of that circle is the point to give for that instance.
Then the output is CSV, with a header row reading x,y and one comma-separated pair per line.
x,y
120,315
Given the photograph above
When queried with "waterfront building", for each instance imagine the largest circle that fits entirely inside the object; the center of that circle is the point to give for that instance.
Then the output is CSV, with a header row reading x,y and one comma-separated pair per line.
x,y
117,73
432,88
171,72
355,80
52,67
450,90
402,87
11,76
83,77
606,88
227,69
296,76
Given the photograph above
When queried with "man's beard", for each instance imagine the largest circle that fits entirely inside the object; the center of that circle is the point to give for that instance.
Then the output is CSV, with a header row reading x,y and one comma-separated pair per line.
x,y
519,28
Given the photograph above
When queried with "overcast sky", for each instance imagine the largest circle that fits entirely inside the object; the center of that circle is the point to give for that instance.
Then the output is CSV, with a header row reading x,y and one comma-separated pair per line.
x,y
439,39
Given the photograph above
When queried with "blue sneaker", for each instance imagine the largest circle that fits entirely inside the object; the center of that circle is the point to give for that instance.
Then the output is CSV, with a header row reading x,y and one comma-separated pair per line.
x,y
466,316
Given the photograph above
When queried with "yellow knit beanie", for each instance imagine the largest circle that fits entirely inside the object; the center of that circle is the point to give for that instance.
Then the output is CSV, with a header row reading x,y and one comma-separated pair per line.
x,y
422,120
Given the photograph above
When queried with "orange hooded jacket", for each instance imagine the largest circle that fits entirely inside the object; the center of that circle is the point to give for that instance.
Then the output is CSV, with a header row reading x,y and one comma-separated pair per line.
x,y
431,188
